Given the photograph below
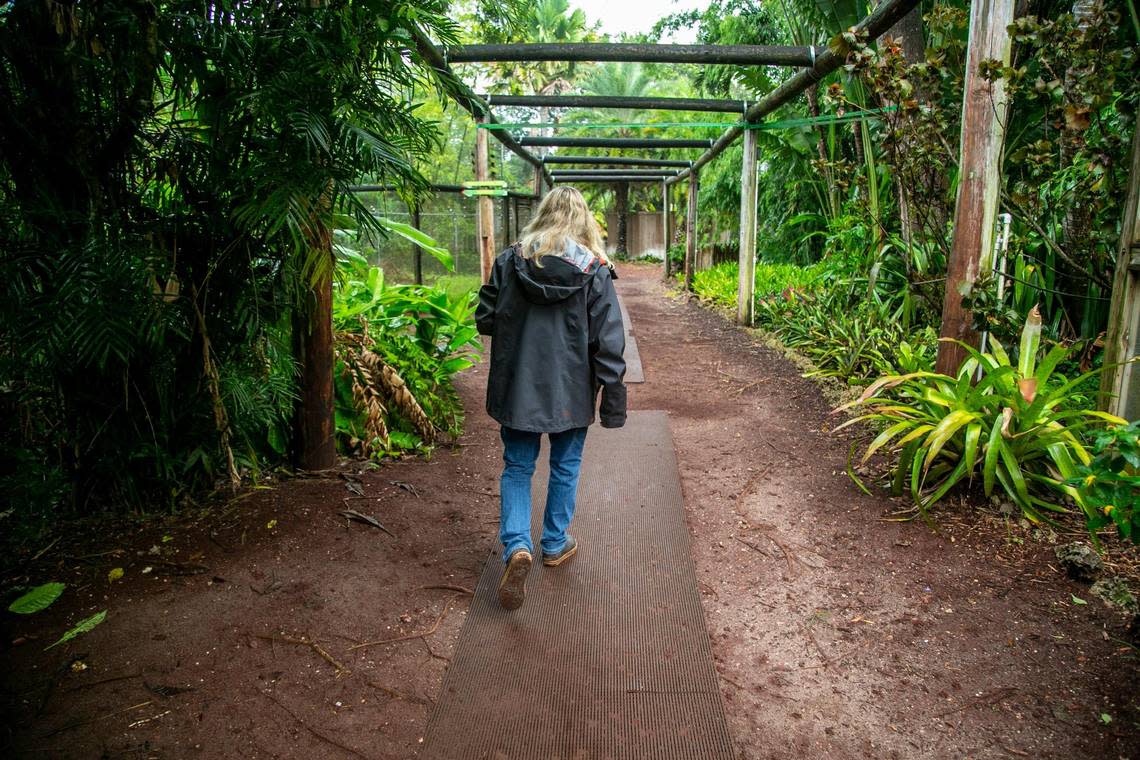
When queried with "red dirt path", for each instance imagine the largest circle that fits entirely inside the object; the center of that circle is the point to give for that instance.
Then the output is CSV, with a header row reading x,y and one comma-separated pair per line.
x,y
836,634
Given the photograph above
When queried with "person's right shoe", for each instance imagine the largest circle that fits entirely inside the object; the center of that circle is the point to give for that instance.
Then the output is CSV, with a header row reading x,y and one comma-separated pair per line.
x,y
512,586
568,550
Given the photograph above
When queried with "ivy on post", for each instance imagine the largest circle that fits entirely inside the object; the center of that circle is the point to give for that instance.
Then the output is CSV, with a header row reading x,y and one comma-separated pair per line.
x,y
747,270
984,109
485,207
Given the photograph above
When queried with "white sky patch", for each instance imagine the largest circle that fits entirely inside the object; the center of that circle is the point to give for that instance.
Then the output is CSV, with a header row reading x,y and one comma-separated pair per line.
x,y
637,16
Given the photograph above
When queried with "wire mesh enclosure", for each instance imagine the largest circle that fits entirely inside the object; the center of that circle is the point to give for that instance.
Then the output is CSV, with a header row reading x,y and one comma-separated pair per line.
x,y
449,219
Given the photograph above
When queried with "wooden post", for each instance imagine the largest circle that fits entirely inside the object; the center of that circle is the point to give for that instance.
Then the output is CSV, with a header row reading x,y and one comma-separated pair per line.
x,y
666,223
539,183
691,229
506,221
1120,385
417,252
746,286
485,214
515,217
984,109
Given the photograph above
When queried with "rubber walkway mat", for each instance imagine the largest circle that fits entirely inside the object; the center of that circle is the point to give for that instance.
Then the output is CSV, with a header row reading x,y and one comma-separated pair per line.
x,y
608,658
634,373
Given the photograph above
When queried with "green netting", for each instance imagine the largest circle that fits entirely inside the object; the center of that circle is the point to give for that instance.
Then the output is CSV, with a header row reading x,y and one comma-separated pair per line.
x,y
782,124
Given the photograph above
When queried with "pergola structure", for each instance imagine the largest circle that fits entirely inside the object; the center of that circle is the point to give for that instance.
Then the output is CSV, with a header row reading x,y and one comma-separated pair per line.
x,y
814,64
983,117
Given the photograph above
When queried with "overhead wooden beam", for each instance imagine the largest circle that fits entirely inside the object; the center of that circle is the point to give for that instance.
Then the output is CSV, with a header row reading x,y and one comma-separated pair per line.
x,y
877,22
467,99
746,284
707,105
746,55
984,108
1120,383
564,178
603,172
616,161
613,142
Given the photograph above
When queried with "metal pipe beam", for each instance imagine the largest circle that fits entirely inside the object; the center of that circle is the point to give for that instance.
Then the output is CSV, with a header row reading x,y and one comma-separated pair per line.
x,y
434,189
614,142
615,160
608,178
611,172
608,101
747,55
875,24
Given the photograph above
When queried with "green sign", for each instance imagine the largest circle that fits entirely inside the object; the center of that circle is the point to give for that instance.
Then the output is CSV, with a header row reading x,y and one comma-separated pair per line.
x,y
474,192
485,183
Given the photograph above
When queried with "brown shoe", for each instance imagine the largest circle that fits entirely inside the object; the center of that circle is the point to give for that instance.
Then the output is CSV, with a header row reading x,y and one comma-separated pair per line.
x,y
512,586
568,550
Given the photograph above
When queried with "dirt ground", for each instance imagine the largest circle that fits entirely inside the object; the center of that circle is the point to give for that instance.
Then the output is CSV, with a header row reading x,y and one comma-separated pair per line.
x,y
271,626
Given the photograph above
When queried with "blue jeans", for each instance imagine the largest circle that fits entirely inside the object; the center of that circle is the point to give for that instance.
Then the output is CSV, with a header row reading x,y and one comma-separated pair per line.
x,y
520,450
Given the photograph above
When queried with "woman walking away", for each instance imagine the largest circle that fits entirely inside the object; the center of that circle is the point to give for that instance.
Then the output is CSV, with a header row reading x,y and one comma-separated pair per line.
x,y
557,337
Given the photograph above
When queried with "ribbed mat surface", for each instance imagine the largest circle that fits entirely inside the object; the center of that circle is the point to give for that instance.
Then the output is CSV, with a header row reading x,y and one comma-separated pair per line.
x,y
634,373
609,658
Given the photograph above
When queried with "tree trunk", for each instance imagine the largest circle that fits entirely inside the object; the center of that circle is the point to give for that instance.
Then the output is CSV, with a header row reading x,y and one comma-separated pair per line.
x,y
316,444
622,207
1077,221
984,109
821,148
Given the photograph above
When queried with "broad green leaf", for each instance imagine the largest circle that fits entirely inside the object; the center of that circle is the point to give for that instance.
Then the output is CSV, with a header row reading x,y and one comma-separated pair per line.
x,y
39,598
1030,340
989,465
885,436
945,431
970,447
81,628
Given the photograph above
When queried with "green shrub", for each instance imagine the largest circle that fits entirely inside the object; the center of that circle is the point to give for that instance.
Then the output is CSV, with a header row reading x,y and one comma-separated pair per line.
x,y
1110,483
1013,426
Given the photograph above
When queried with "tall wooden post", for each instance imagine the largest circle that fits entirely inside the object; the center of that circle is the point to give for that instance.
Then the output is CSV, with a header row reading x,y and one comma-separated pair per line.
x,y
506,221
666,223
1120,384
515,217
417,252
539,183
746,286
984,109
691,228
485,215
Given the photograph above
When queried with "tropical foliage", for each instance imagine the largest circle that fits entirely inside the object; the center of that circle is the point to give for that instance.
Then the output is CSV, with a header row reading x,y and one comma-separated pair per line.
x,y
1015,422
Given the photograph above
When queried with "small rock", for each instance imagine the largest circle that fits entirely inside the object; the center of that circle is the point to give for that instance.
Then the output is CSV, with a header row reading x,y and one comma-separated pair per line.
x,y
1114,592
1080,561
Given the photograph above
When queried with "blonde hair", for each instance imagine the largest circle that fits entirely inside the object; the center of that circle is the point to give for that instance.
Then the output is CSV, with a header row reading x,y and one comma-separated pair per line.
x,y
563,215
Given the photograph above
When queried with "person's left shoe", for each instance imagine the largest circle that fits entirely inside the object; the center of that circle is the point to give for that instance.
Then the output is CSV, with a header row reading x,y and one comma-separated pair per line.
x,y
512,586
568,550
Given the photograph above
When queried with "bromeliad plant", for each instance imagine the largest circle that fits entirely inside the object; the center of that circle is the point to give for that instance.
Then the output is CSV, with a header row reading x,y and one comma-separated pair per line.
x,y
1010,422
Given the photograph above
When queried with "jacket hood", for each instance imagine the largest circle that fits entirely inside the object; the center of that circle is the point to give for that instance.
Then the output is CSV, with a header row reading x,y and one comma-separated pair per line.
x,y
559,277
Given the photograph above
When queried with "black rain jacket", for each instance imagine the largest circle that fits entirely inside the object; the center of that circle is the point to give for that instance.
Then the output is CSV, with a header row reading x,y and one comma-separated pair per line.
x,y
556,338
